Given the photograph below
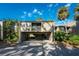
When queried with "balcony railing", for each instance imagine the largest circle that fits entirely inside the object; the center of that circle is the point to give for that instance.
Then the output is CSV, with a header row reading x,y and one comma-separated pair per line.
x,y
36,28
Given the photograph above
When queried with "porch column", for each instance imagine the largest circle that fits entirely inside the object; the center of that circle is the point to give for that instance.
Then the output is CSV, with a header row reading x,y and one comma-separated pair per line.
x,y
66,28
19,39
2,30
51,37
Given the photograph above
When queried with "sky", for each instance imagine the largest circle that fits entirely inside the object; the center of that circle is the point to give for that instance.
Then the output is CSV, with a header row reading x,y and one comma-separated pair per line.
x,y
32,11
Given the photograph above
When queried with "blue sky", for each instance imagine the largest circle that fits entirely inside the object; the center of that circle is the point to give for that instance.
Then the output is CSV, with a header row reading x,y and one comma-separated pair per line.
x,y
32,11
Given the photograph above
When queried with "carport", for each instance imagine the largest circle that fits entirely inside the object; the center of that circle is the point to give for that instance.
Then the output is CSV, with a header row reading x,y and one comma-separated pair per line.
x,y
37,36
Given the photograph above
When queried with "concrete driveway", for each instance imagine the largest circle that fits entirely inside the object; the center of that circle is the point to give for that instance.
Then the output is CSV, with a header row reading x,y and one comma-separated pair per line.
x,y
38,49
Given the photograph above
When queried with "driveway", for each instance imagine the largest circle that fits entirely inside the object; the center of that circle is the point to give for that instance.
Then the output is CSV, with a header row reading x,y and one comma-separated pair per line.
x,y
38,49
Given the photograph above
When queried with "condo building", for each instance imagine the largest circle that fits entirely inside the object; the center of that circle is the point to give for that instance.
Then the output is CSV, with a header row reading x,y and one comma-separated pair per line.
x,y
40,30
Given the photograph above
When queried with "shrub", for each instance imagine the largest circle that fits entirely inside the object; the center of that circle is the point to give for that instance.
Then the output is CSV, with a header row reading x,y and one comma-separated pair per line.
x,y
59,36
9,31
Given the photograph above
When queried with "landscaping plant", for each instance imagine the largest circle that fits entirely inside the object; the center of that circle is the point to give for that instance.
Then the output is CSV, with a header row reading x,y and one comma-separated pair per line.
x,y
61,36
63,13
10,35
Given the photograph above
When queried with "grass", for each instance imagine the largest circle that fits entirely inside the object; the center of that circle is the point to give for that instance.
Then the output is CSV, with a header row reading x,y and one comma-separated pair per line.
x,y
74,40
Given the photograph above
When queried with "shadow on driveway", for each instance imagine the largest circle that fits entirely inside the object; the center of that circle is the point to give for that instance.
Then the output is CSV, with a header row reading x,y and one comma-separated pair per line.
x,y
38,49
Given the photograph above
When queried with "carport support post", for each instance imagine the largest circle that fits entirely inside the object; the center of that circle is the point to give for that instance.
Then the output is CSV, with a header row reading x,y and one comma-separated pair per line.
x,y
2,30
19,32
51,37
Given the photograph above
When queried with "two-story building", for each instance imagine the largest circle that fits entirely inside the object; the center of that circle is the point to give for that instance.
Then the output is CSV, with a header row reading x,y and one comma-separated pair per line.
x,y
36,30
40,30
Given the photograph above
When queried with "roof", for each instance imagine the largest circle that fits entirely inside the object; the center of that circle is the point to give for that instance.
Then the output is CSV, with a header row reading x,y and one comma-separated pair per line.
x,y
36,21
69,24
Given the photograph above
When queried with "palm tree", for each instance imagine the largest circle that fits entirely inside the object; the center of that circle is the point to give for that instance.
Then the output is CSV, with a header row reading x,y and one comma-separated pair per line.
x,y
39,19
76,17
63,13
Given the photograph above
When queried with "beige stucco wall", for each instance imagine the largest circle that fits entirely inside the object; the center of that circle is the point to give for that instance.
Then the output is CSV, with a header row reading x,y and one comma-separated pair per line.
x,y
70,24
46,26
25,26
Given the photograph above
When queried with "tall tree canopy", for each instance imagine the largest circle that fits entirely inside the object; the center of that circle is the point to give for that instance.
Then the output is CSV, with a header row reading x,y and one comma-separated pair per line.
x,y
76,13
39,19
63,13
9,30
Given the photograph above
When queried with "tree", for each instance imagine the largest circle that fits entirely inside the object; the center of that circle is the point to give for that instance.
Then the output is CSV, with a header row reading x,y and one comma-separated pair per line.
x,y
76,17
63,13
39,19
9,31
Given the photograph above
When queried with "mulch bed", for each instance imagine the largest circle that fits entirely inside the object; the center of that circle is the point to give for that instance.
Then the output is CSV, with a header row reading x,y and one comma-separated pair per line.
x,y
3,44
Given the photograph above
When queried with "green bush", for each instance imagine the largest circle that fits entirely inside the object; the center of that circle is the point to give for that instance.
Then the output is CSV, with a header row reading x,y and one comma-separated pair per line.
x,y
9,32
59,36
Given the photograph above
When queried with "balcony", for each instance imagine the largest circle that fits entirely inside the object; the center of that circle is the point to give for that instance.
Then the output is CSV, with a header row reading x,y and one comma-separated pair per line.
x,y
31,27
36,27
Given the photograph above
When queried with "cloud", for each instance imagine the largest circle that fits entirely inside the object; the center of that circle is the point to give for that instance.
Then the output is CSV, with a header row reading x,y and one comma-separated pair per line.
x,y
25,12
68,5
22,16
60,23
50,5
29,14
35,10
40,13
